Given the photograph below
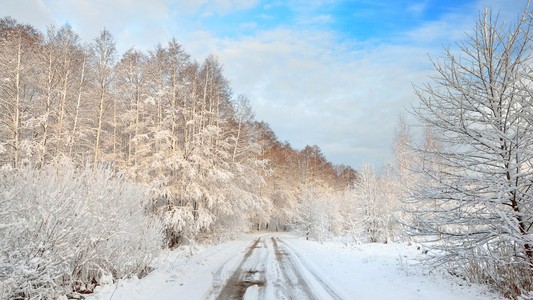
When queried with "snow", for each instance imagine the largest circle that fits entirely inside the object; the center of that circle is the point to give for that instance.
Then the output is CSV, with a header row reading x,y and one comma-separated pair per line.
x,y
332,269
180,274
381,271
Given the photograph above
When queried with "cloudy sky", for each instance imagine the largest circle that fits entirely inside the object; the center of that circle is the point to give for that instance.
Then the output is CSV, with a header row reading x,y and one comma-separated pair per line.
x,y
335,73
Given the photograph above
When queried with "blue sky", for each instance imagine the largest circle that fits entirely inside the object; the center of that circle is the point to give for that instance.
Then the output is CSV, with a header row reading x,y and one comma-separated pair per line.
x,y
334,73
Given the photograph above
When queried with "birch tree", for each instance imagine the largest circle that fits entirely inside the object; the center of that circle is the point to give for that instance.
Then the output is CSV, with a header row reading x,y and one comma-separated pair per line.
x,y
56,77
49,84
132,92
103,55
75,132
71,58
18,44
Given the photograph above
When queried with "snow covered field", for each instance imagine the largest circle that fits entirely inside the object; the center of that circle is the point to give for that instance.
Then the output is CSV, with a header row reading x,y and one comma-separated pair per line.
x,y
281,266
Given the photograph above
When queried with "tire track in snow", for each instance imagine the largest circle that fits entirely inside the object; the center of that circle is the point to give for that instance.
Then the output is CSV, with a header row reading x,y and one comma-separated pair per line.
x,y
240,280
270,269
300,284
297,260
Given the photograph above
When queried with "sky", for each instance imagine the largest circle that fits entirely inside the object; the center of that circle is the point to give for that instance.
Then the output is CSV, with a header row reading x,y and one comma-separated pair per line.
x,y
332,73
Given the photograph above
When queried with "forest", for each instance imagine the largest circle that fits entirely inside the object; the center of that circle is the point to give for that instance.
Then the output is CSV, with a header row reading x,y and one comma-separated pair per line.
x,y
108,158
105,155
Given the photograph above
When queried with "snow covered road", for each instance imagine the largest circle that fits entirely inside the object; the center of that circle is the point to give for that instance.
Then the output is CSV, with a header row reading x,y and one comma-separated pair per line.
x,y
277,266
269,270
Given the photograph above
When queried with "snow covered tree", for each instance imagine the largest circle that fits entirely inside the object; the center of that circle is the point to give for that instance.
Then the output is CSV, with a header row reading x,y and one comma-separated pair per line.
x,y
69,69
479,181
404,175
318,215
281,184
19,44
403,154
372,206
55,77
102,60
76,135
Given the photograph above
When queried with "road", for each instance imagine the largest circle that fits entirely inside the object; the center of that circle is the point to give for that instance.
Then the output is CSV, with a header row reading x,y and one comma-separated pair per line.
x,y
272,266
270,269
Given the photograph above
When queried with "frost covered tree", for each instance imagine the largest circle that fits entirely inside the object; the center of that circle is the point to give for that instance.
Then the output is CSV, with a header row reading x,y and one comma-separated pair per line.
x,y
102,59
404,159
190,141
55,76
43,104
167,122
479,181
281,183
319,214
69,56
132,92
404,175
19,44
369,206
372,206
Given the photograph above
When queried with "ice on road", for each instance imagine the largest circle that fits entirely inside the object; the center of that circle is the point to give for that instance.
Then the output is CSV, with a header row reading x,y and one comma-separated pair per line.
x,y
278,266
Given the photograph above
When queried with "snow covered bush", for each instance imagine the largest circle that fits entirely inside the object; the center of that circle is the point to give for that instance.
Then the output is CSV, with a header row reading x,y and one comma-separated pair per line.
x,y
63,229
182,224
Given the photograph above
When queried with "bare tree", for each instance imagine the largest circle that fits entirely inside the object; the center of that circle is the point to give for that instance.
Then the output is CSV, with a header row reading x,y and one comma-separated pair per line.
x,y
132,91
18,44
479,179
103,61
57,61
404,158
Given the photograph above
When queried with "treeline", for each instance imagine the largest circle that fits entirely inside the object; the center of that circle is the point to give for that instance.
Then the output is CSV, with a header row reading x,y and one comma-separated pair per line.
x,y
157,120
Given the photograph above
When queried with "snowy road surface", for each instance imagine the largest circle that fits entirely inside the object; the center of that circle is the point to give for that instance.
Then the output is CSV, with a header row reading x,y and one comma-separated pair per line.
x,y
269,270
275,266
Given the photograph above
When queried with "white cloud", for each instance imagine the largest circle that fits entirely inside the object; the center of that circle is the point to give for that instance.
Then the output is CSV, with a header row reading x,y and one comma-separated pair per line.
x,y
311,86
319,19
225,6
127,20
345,97
249,25
313,89
417,8
507,9
219,7
37,16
